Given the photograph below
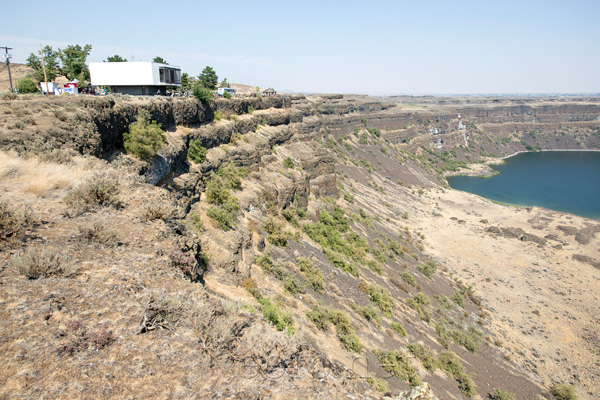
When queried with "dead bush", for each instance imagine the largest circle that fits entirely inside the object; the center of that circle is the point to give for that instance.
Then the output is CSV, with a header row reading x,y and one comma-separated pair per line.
x,y
98,233
99,190
79,339
42,262
160,210
164,311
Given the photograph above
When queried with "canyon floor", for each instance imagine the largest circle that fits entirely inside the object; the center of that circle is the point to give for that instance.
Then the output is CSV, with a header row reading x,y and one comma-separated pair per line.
x,y
540,298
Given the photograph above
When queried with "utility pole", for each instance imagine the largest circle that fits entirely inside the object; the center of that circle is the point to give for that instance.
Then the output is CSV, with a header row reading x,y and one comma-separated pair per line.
x,y
44,69
8,56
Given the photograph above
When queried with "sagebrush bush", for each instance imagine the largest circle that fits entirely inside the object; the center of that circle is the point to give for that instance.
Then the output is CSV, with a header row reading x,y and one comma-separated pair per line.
x,y
424,354
563,392
144,138
218,192
276,234
428,269
398,328
42,262
99,233
314,276
196,152
502,395
157,210
323,316
398,364
14,222
382,299
99,190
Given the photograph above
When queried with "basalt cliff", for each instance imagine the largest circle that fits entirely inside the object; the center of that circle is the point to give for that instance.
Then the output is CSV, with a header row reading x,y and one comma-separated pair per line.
x,y
290,247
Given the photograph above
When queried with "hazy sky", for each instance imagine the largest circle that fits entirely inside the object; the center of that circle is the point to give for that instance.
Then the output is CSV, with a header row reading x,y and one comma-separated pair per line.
x,y
403,47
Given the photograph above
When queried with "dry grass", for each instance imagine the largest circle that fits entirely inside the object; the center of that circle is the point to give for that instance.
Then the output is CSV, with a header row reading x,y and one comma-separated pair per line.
x,y
40,178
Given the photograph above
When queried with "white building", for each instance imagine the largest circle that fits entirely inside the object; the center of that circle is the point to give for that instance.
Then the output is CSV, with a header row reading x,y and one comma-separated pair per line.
x,y
137,78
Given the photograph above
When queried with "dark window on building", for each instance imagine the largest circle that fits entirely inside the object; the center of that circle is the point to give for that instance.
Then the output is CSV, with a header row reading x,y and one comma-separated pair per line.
x,y
170,76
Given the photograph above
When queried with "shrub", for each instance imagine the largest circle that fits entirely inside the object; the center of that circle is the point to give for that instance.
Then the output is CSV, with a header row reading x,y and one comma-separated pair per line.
x,y
227,95
164,311
218,115
282,320
378,384
226,207
397,363
470,341
276,235
100,234
13,222
428,269
314,276
99,190
291,285
449,362
398,328
409,278
196,152
338,261
157,210
459,299
420,302
422,353
42,262
369,313
382,299
375,267
502,395
144,138
26,85
202,94
182,260
323,317
224,215
563,392
288,163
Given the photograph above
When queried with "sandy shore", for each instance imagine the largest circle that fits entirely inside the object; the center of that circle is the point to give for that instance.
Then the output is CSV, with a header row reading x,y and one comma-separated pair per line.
x,y
542,302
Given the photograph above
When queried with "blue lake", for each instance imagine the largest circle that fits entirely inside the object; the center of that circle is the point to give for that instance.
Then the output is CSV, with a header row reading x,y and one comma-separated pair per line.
x,y
567,181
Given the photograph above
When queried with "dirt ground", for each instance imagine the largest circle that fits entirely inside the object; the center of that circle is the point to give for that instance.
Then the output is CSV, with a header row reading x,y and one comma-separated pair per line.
x,y
542,301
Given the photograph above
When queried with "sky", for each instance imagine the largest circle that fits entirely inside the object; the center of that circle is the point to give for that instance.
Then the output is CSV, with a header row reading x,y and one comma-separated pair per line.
x,y
372,47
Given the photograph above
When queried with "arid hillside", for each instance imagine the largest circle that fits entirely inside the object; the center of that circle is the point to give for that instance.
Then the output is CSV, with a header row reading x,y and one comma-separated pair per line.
x,y
291,247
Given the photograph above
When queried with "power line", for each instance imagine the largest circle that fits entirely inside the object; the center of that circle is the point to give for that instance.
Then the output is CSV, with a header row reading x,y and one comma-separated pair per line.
x,y
8,56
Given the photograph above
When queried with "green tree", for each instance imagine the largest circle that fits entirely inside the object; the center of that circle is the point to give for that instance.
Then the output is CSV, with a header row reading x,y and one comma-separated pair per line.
x,y
159,60
50,60
73,62
144,138
26,85
116,58
208,78
185,81
224,83
201,93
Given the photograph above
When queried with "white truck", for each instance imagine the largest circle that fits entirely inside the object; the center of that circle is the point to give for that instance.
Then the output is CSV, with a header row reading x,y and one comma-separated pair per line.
x,y
221,91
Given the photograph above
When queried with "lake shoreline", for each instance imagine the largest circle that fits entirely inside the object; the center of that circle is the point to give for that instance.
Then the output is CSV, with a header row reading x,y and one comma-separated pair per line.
x,y
484,170
559,182
544,150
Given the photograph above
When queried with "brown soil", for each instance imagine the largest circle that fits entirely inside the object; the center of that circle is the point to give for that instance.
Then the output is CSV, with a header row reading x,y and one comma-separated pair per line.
x,y
541,300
